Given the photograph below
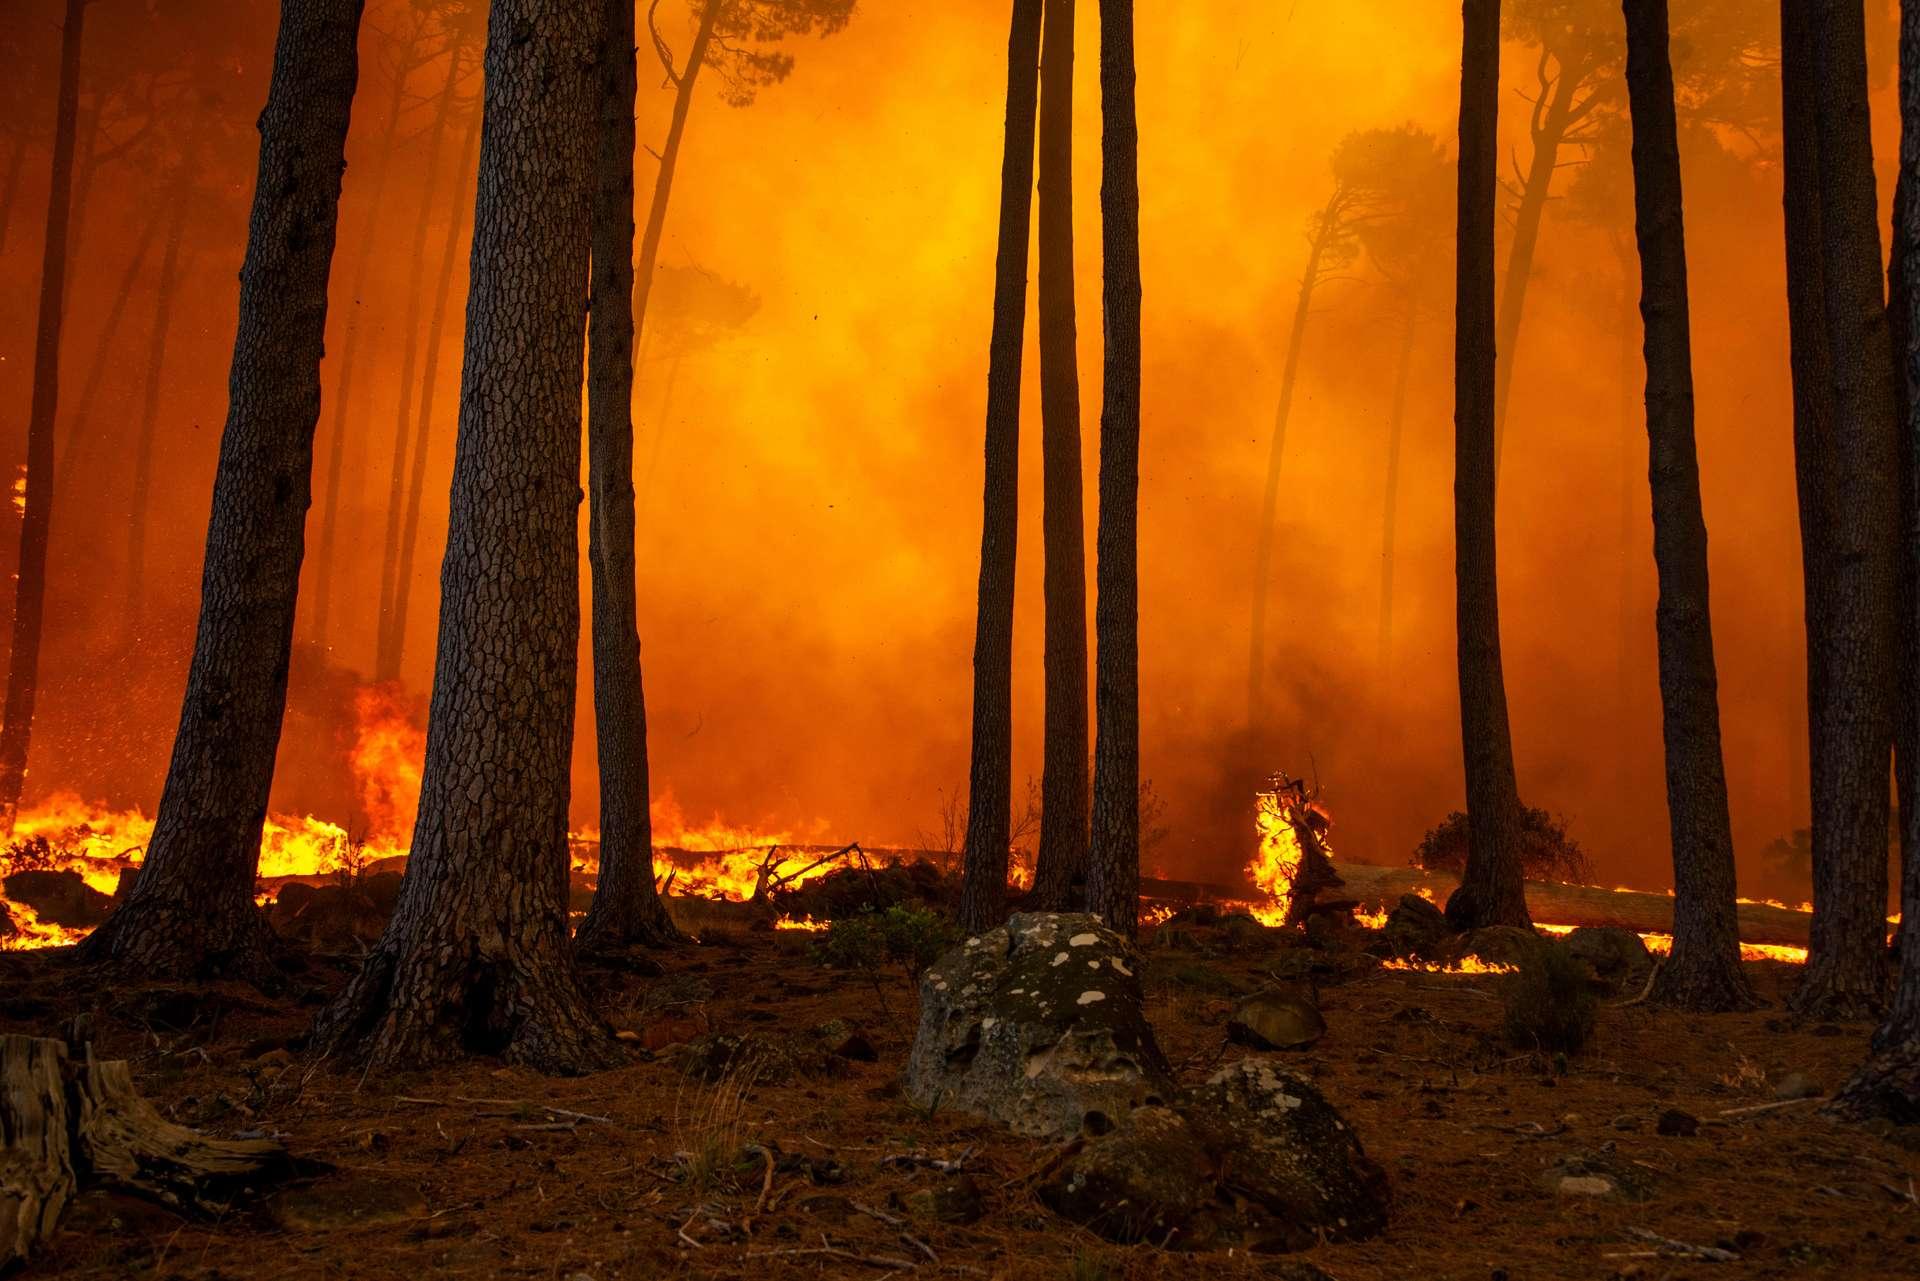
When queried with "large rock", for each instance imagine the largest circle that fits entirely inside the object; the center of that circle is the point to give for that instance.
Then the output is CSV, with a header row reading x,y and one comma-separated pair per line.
x,y
1497,945
1256,1158
1415,927
1278,1019
1039,1025
1618,957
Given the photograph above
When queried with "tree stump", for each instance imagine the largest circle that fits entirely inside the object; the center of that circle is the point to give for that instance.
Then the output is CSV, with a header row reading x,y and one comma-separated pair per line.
x,y
69,1120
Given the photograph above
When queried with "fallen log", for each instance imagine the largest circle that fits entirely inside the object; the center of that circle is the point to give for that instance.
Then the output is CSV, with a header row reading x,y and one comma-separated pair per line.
x,y
69,1120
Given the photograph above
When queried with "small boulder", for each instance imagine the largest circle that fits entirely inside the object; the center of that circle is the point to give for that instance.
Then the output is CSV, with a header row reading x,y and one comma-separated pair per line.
x,y
1285,1019
1415,927
1148,1179
1497,945
1674,1123
1619,957
60,898
1794,1085
1039,1025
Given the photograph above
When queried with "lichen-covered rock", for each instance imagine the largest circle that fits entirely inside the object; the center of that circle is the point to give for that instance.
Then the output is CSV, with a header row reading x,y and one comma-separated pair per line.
x,y
1150,1179
1039,1025
1287,1156
1278,1019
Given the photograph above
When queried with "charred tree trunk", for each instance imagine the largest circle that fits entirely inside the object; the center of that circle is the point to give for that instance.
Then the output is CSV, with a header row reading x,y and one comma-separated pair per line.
x,y
78,433
30,579
475,958
1888,1084
191,911
370,239
683,83
1846,972
1270,499
388,638
1113,875
1390,504
150,401
1490,893
1060,870
1703,972
983,892
626,908
429,383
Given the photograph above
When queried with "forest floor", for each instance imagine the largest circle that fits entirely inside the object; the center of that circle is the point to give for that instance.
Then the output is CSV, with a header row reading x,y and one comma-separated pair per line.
x,y
484,1170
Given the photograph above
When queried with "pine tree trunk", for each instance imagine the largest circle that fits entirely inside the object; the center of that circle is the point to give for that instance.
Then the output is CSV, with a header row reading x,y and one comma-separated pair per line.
x,y
30,579
150,402
1113,875
1888,1084
78,435
1703,972
983,888
1549,131
656,227
1390,503
1490,892
1906,739
429,384
1270,499
191,911
1846,964
475,958
1060,870
371,240
388,639
626,907
10,188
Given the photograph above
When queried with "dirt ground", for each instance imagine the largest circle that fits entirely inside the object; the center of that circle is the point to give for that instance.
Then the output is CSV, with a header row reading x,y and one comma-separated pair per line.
x,y
486,1171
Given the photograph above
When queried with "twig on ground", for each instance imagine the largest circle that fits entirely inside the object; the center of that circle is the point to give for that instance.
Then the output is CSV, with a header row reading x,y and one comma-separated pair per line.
x,y
1683,1249
1646,991
831,1251
907,1238
888,1219
1770,1107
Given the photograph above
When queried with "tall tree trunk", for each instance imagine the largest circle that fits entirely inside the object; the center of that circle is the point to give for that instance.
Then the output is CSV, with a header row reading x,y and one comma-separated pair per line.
x,y
475,958
30,580
1630,428
983,889
429,384
78,434
656,227
1899,332
1390,503
626,908
372,240
1888,1084
660,427
1846,973
1491,891
388,641
1270,500
1060,870
10,187
191,911
1552,118
150,400
1113,875
1703,972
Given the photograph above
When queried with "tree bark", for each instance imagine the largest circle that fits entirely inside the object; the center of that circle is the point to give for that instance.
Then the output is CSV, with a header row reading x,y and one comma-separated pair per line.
x,y
1490,893
1703,972
1390,504
983,888
191,911
150,401
1888,1084
1060,870
1270,499
429,383
1846,972
388,639
30,579
1113,875
626,907
683,81
475,958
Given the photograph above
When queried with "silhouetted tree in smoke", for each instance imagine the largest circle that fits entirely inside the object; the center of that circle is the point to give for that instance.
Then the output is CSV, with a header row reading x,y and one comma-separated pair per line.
x,y
1491,890
1888,1084
990,776
191,910
1703,972
1113,874
464,27
30,581
692,310
475,957
626,906
1060,868
1850,477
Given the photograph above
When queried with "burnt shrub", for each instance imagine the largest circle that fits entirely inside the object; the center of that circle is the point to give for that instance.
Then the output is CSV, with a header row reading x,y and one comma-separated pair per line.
x,y
1549,1003
1547,853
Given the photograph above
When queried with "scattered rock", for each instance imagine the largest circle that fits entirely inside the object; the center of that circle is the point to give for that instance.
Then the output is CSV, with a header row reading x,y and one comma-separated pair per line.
x,y
1039,1025
1586,1185
1677,1124
1796,1086
347,1203
1286,1019
957,1200
60,898
1600,1172
843,1040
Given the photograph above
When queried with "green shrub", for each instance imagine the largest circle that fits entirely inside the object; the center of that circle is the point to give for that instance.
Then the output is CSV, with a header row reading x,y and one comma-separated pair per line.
x,y
911,937
1549,1005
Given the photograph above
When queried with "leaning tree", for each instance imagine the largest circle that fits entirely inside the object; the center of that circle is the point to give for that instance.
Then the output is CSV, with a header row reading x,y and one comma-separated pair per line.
x,y
191,911
983,889
475,957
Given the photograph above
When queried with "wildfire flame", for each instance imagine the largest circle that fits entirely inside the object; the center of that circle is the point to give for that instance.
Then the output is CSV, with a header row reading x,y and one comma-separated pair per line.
x,y
1276,863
